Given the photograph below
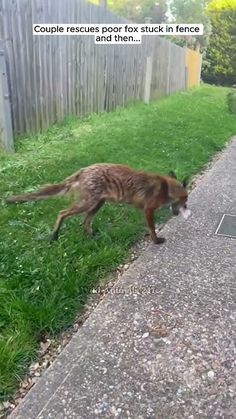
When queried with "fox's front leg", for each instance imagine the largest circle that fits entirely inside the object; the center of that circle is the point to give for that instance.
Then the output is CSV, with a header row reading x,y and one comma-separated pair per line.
x,y
149,215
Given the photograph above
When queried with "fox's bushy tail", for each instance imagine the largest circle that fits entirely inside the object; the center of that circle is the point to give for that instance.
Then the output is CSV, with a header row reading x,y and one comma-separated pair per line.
x,y
43,193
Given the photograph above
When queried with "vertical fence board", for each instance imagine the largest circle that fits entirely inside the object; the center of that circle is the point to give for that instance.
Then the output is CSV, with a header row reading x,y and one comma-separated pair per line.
x,y
6,135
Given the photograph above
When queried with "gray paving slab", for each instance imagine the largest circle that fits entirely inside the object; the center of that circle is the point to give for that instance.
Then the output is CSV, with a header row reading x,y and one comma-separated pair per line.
x,y
161,344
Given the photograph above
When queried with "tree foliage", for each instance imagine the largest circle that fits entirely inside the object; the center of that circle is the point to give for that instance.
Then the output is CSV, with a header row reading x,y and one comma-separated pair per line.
x,y
222,5
220,60
191,11
139,10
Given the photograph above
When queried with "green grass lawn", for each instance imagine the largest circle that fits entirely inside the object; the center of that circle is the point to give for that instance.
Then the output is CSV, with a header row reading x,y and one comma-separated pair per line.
x,y
43,286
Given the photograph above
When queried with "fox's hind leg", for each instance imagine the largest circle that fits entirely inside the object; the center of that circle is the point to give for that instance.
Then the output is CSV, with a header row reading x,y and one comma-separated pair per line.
x,y
89,217
83,206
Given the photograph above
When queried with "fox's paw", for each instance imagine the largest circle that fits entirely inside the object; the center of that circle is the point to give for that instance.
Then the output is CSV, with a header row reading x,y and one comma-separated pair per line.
x,y
54,237
90,232
159,240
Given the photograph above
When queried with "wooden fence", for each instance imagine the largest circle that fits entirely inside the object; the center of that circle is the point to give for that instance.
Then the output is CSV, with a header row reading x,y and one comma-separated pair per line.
x,y
194,65
50,77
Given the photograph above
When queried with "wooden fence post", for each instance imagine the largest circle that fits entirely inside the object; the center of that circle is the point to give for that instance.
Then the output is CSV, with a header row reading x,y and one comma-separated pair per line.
x,y
168,69
6,133
186,67
200,68
148,80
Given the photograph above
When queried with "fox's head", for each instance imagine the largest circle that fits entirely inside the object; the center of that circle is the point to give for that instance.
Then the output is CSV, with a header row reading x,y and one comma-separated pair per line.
x,y
178,195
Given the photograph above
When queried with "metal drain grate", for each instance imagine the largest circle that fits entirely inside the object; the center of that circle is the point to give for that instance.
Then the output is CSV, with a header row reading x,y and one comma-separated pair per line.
x,y
227,226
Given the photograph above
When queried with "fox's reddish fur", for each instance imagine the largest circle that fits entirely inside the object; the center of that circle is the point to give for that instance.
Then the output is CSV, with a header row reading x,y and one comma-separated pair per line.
x,y
112,182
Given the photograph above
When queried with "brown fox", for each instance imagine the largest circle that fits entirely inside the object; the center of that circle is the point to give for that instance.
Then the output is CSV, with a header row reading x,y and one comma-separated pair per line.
x,y
118,183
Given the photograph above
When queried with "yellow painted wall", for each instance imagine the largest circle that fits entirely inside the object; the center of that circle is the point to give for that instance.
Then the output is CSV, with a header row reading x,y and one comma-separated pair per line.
x,y
193,64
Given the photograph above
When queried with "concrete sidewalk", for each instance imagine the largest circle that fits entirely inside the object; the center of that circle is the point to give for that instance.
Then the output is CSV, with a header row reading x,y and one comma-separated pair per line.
x,y
161,345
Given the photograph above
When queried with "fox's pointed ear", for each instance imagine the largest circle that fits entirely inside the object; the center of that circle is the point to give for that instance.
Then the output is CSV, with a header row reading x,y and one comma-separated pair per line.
x,y
185,182
172,174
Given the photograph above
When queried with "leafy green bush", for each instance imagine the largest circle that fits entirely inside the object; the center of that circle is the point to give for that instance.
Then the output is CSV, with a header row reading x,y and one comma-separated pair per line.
x,y
219,66
231,100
